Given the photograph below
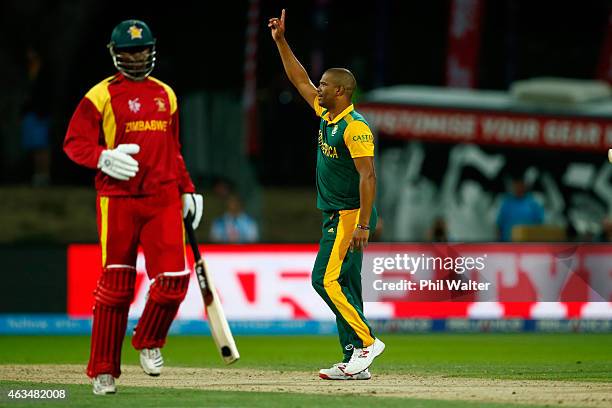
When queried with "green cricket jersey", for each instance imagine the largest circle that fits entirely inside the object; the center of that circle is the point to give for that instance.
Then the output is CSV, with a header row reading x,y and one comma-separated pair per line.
x,y
342,139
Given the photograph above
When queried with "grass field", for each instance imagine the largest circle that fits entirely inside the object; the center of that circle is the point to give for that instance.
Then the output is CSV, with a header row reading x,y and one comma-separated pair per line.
x,y
272,368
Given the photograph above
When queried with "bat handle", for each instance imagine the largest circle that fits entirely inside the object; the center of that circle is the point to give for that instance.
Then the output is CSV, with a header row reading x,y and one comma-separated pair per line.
x,y
193,242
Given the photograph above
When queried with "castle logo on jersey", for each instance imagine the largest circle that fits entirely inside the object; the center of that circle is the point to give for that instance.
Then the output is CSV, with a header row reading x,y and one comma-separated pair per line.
x,y
134,105
134,32
146,126
334,130
329,151
363,138
161,104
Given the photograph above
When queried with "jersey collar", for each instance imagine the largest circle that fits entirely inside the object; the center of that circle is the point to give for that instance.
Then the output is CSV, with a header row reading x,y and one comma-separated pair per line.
x,y
342,114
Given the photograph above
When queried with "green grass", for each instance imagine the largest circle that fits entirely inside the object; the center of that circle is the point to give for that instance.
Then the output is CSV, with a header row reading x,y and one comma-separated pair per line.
x,y
140,397
586,357
574,357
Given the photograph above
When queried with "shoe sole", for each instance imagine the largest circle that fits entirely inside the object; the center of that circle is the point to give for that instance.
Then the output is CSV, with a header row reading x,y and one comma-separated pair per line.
x,y
105,392
350,377
148,372
151,374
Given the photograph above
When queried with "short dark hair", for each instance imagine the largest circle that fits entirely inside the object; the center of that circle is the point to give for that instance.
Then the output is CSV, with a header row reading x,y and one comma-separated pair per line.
x,y
344,78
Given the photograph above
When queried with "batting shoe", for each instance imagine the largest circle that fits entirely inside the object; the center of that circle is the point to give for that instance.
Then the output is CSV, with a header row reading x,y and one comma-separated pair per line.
x,y
104,384
151,361
336,372
362,358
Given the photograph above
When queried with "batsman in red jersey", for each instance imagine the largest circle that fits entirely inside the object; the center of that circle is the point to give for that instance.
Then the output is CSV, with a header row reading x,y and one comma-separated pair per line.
x,y
127,127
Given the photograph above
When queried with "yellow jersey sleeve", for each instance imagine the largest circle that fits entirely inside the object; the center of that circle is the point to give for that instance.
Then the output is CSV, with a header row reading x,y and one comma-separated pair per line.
x,y
318,109
99,95
359,139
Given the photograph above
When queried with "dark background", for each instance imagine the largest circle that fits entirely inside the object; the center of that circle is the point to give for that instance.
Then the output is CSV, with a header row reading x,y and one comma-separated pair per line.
x,y
201,48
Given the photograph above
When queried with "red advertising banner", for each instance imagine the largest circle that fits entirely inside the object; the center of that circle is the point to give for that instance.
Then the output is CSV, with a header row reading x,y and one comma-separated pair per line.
x,y
272,282
604,70
463,43
495,128
249,94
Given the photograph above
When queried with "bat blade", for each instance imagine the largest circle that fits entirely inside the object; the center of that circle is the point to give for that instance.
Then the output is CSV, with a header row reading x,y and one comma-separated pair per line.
x,y
219,327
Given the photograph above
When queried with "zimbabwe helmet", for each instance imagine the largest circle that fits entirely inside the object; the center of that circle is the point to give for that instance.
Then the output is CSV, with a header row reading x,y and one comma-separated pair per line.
x,y
133,36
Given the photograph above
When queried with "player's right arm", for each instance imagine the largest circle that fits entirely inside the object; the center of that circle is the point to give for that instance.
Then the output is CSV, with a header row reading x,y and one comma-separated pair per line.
x,y
294,69
83,141
82,138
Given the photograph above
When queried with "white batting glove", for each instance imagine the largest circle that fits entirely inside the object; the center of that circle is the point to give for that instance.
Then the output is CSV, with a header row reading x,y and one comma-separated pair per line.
x,y
193,204
118,163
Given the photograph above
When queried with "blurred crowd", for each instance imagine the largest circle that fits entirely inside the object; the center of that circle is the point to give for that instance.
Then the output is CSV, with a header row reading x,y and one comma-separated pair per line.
x,y
468,194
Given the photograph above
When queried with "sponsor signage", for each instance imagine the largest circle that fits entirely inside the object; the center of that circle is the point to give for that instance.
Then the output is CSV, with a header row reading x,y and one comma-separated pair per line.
x,y
495,128
272,283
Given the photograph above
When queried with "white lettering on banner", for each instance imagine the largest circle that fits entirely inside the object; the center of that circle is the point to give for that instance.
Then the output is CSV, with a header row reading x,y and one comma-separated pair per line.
x,y
548,276
394,274
378,310
488,127
280,287
388,122
601,275
566,133
500,270
504,129
419,123
269,285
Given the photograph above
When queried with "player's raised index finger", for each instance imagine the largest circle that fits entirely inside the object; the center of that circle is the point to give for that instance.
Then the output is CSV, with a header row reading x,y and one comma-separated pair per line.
x,y
282,19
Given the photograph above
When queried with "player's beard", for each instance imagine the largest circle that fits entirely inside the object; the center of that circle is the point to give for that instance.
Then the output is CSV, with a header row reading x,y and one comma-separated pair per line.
x,y
324,102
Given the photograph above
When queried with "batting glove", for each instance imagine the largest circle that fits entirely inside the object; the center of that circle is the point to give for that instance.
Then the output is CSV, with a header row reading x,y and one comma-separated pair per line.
x,y
118,163
193,204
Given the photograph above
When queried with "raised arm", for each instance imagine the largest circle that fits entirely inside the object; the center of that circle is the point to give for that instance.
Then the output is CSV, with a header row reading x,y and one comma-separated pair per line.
x,y
295,71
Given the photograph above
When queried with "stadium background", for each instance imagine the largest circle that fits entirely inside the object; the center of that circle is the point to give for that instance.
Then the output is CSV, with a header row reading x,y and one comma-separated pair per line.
x,y
265,152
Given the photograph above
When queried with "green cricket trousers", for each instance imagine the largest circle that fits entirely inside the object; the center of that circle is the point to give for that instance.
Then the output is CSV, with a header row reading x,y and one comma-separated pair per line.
x,y
336,277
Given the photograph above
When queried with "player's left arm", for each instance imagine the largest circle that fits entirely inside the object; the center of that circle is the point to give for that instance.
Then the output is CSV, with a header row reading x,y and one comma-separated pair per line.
x,y
360,142
185,183
367,191
193,203
184,180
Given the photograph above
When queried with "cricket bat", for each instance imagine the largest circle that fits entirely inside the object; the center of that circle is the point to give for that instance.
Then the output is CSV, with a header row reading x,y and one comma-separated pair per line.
x,y
219,328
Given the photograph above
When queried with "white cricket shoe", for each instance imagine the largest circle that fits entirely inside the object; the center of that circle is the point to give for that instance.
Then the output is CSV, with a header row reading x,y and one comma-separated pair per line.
x,y
336,372
104,384
362,358
151,361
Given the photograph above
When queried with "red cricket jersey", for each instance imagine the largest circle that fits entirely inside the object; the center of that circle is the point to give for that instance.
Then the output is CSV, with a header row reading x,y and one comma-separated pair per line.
x,y
118,111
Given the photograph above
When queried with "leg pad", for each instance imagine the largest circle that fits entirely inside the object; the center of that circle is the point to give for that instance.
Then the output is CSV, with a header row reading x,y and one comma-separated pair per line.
x,y
165,297
113,296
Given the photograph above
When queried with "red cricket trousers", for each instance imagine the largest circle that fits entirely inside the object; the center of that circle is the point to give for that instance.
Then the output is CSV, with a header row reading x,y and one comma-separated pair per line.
x,y
125,223
154,222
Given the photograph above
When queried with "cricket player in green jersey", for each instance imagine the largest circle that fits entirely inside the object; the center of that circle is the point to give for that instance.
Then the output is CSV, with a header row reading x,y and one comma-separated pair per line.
x,y
346,186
